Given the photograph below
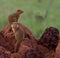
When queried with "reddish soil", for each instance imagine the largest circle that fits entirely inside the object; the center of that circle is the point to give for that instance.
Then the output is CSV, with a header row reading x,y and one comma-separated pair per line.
x,y
57,54
7,39
50,39
29,48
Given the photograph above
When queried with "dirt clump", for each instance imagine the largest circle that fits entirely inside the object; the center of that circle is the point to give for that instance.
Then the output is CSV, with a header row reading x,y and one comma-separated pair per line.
x,y
50,39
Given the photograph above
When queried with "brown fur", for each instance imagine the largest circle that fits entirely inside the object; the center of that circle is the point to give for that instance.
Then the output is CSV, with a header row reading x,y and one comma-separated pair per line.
x,y
19,34
14,17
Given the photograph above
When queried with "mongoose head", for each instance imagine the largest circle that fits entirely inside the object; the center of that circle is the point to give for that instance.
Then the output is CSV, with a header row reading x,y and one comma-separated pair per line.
x,y
19,12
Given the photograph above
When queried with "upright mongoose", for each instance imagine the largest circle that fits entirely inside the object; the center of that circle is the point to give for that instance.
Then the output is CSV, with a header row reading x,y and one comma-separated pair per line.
x,y
14,17
19,34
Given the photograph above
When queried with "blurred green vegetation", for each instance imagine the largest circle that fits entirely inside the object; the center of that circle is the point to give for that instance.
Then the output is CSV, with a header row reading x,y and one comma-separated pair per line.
x,y
31,8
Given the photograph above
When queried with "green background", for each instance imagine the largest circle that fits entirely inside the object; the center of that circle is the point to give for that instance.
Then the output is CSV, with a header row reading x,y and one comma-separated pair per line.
x,y
31,8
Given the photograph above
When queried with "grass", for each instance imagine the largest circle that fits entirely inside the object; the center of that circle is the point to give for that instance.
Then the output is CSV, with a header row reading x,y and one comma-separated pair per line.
x,y
31,8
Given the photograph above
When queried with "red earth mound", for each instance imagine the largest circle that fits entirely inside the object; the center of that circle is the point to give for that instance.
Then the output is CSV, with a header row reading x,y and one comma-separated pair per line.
x,y
29,47
50,39
57,54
